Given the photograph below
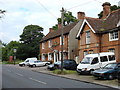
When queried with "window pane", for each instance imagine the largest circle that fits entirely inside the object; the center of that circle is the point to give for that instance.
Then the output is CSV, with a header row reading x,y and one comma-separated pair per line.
x,y
95,60
114,35
111,57
103,59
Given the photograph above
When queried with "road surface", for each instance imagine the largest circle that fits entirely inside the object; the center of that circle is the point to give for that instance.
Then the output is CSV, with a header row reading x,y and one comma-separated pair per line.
x,y
13,77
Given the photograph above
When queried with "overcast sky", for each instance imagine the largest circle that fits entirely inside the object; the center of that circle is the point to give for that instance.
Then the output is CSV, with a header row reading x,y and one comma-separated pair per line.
x,y
44,13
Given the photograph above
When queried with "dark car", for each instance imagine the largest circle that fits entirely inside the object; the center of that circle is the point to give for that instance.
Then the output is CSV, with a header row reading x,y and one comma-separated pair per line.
x,y
118,74
67,64
54,66
110,71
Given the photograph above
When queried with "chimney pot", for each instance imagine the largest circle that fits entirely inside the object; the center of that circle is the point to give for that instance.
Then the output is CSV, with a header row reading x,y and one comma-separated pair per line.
x,y
59,25
80,15
106,9
51,30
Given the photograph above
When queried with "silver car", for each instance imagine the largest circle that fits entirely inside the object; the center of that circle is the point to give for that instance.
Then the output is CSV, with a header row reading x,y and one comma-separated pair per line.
x,y
38,63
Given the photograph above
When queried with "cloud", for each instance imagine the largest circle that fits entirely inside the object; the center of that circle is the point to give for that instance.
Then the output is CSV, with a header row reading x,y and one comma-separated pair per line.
x,y
41,12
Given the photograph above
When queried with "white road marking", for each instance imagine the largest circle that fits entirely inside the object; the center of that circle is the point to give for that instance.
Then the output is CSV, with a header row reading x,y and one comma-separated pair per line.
x,y
37,81
19,74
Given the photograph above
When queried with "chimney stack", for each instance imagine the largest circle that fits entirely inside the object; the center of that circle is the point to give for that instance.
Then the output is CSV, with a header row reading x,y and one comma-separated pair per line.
x,y
106,9
51,30
59,25
80,15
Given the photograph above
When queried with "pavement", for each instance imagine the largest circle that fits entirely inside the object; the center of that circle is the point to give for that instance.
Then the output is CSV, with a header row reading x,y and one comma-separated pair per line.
x,y
85,78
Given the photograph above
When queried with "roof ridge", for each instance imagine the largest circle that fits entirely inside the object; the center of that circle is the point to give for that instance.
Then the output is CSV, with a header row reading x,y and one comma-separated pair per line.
x,y
115,11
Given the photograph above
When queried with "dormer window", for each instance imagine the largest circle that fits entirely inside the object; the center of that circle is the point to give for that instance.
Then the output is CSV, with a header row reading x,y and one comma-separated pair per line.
x,y
113,36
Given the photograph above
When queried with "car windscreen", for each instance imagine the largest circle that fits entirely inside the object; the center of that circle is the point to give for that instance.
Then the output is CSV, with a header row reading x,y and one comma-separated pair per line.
x,y
110,66
86,60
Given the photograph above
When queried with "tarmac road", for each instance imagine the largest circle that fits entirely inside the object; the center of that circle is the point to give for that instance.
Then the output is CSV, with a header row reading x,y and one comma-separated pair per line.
x,y
13,77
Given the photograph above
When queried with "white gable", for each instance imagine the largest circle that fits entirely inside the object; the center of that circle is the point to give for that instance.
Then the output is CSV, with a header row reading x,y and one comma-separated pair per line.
x,y
118,24
85,21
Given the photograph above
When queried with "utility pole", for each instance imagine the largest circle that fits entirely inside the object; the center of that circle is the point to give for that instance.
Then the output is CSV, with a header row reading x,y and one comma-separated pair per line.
x,y
62,20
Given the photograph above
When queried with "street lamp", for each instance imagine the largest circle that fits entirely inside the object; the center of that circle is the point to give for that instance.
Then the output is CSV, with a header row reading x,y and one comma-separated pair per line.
x,y
14,50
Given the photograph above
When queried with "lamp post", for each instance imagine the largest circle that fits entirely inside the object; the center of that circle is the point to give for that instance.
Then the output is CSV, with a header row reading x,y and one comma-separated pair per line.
x,y
14,50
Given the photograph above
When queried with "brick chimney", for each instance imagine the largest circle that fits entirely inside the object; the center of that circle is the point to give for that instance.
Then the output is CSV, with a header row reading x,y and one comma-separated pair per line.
x,y
106,9
51,30
59,25
80,15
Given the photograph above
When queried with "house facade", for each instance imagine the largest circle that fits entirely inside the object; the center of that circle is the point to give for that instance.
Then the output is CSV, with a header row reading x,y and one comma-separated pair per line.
x,y
50,45
100,35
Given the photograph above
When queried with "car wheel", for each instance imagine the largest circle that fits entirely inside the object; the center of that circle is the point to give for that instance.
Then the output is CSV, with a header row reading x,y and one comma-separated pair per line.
x,y
34,65
23,65
46,64
91,71
110,77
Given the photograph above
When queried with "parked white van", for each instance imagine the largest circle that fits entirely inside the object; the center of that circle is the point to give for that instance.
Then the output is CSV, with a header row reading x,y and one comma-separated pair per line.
x,y
92,62
27,61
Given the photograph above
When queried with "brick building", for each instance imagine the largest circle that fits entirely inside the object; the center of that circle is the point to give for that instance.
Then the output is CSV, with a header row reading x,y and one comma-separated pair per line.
x,y
50,45
100,35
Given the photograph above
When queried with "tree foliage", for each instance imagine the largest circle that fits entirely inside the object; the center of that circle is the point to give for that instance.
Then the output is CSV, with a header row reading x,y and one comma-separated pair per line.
x,y
2,12
114,7
8,49
30,38
68,18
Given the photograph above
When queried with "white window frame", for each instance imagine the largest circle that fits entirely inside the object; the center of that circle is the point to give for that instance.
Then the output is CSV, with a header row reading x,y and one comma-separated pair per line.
x,y
87,37
113,36
43,46
111,50
49,44
85,53
61,40
43,57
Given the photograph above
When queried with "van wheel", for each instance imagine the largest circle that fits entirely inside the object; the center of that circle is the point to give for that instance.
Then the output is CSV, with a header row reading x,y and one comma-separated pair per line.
x,y
34,65
110,77
91,71
46,64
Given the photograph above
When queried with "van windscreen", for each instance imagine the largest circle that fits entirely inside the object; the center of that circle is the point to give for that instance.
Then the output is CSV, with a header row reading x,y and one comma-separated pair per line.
x,y
86,60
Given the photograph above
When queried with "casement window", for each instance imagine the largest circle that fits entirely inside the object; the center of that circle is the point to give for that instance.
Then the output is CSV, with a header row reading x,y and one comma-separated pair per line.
x,y
90,51
85,53
113,36
111,50
43,57
88,37
50,56
49,43
43,46
61,40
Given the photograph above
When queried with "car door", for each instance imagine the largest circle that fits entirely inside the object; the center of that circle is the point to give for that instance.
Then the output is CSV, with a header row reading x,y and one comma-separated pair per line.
x,y
94,64
104,60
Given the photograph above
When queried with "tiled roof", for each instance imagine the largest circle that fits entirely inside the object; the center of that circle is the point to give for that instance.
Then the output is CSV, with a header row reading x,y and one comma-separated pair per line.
x,y
110,23
57,33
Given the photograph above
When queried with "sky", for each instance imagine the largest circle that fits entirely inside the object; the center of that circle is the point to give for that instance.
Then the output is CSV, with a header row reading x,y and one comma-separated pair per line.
x,y
20,13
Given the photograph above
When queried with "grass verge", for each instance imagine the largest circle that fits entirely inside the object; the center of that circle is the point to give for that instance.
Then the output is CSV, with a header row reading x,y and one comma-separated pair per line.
x,y
64,72
11,62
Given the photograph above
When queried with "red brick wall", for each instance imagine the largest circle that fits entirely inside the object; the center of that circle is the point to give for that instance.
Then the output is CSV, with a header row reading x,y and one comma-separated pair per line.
x,y
57,47
94,42
106,45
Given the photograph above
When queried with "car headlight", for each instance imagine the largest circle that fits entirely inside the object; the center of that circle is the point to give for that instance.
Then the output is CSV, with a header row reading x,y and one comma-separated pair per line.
x,y
101,74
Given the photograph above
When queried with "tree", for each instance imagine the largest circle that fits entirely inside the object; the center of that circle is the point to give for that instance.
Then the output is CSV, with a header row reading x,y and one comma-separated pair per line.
x,y
114,7
2,12
68,18
8,49
30,38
